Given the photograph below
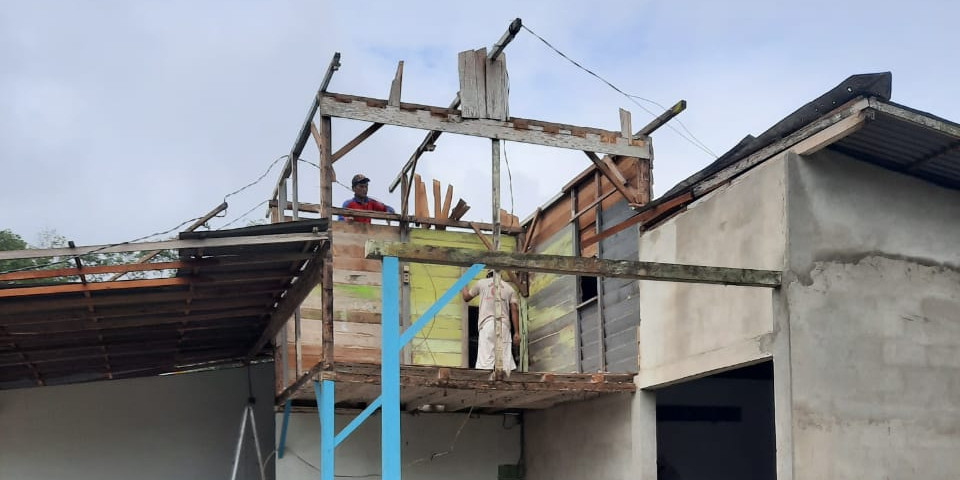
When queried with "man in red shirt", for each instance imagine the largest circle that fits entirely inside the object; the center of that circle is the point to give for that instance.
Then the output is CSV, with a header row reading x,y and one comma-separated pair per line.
x,y
361,201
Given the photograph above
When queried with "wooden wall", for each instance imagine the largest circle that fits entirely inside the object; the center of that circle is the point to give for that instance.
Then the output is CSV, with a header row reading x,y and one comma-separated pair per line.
x,y
357,301
551,312
442,341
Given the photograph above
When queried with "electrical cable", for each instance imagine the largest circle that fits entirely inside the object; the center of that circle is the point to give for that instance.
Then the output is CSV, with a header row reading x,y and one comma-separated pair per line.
x,y
449,450
692,139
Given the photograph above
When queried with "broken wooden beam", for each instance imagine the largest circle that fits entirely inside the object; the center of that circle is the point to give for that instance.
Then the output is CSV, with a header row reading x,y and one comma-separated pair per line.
x,y
567,265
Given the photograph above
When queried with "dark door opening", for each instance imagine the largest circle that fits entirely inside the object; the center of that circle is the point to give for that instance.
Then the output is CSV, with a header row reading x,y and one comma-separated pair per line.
x,y
473,334
719,427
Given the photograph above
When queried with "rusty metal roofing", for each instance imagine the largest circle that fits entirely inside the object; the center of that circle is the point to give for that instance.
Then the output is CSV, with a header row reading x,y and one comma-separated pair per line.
x,y
220,302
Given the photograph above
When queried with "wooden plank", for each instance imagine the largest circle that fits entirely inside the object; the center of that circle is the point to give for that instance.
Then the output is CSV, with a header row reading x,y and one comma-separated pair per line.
x,y
515,129
420,198
570,265
472,94
497,94
663,118
445,210
643,216
395,86
450,222
93,270
92,287
355,142
436,198
460,210
614,176
204,243
626,129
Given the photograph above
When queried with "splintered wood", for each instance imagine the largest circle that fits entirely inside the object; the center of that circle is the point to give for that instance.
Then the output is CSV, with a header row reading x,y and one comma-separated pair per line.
x,y
441,206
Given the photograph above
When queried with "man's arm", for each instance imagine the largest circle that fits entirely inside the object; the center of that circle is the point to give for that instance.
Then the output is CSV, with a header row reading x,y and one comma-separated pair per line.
x,y
380,206
467,294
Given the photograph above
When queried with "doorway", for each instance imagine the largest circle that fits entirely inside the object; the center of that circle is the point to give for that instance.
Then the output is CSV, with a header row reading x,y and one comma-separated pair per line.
x,y
719,427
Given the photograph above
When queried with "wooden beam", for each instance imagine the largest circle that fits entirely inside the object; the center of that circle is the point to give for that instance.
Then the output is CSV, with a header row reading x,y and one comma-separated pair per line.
x,y
615,177
94,270
180,308
301,140
663,118
165,245
295,294
445,210
395,86
91,287
626,124
515,129
430,140
640,217
356,141
436,198
423,220
568,265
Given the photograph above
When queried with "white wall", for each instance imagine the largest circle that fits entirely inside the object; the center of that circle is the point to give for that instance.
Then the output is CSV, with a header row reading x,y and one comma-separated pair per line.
x,y
689,329
432,449
174,427
873,295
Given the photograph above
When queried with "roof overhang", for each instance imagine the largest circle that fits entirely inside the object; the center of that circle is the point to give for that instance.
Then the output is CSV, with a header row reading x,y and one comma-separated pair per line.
x,y
219,303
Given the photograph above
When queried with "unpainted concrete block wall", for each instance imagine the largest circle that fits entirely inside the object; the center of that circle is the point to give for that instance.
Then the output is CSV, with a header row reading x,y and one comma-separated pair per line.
x,y
873,298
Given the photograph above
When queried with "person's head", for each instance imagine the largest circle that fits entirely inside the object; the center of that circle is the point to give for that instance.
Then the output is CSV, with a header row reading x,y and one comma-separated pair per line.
x,y
360,183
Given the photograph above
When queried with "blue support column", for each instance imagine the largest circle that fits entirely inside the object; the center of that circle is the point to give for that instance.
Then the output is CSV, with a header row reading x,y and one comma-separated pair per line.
x,y
325,402
390,371
283,429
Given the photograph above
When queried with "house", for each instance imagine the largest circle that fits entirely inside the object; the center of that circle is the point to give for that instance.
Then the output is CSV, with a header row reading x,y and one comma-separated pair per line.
x,y
789,312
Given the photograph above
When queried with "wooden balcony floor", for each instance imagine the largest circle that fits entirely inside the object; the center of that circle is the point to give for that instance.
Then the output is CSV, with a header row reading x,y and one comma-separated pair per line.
x,y
452,389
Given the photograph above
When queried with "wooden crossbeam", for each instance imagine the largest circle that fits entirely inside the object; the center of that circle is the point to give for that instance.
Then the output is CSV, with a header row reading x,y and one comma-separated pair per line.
x,y
609,170
74,271
515,129
567,265
88,287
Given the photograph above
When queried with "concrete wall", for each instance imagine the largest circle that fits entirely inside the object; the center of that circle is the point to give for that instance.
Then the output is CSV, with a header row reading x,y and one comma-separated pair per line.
x,y
686,329
182,426
436,446
873,298
610,438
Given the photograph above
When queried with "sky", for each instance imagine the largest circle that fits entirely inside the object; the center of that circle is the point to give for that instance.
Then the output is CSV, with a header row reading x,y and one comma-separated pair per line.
x,y
120,120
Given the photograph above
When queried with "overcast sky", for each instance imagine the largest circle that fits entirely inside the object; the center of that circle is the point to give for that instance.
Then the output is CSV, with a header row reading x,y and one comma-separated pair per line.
x,y
121,119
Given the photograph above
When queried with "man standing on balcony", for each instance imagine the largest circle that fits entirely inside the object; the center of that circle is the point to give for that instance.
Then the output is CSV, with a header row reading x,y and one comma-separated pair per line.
x,y
488,347
361,201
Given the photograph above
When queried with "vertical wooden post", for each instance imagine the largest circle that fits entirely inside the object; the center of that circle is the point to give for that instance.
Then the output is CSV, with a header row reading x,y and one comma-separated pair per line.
x,y
598,227
497,307
326,202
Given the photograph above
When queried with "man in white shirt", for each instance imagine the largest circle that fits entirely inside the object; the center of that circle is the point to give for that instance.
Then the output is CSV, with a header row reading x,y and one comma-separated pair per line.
x,y
487,345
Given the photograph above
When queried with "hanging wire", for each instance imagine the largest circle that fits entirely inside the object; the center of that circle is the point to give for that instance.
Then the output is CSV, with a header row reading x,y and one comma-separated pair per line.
x,y
632,98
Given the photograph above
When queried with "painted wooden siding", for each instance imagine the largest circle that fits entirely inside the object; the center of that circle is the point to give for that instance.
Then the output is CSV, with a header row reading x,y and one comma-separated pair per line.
x,y
551,312
356,301
442,341
621,302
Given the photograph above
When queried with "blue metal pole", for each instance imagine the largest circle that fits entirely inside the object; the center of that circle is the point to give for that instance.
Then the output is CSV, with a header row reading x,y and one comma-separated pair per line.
x,y
357,421
440,303
283,429
390,370
325,401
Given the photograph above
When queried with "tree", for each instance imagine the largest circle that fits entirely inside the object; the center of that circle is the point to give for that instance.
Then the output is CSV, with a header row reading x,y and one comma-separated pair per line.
x,y
50,238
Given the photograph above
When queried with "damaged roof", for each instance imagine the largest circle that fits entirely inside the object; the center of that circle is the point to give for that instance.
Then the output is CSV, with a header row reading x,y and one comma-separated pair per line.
x,y
230,293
